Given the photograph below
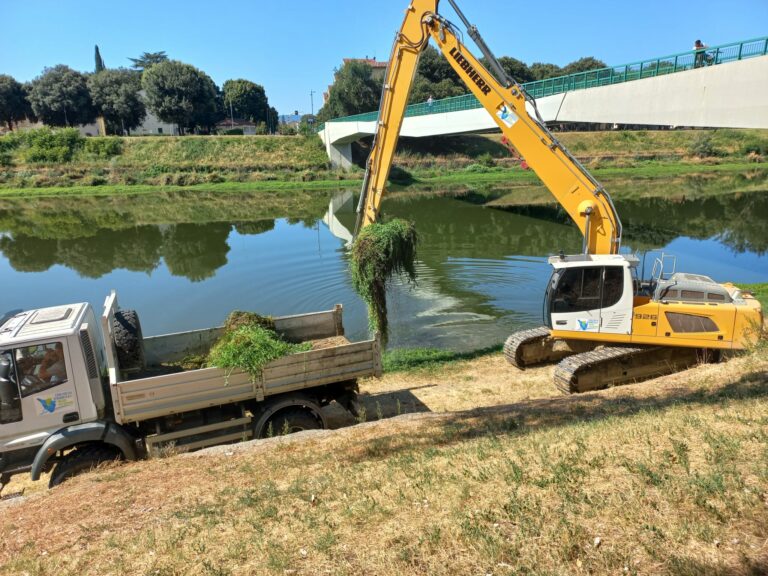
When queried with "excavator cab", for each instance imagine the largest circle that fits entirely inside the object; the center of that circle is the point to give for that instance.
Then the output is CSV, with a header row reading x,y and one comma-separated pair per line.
x,y
591,293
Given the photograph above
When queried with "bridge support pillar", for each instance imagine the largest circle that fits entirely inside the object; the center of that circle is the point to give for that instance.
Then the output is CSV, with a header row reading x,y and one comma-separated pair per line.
x,y
340,155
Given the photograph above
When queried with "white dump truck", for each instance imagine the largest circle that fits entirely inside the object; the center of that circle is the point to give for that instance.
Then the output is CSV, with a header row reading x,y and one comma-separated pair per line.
x,y
76,391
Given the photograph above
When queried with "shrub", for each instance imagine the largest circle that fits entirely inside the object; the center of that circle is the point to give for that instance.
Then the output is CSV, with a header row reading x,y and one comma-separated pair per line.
x,y
486,160
703,147
233,132
46,145
104,147
755,145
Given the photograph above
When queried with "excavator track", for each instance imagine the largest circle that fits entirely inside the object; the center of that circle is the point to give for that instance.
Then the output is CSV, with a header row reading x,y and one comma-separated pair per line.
x,y
616,365
535,346
516,344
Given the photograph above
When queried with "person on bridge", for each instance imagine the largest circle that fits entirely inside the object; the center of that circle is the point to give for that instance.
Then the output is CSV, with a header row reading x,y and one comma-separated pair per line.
x,y
700,48
430,101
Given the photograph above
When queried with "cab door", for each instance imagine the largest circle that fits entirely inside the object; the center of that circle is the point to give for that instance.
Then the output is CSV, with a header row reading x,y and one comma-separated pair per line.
x,y
575,301
46,387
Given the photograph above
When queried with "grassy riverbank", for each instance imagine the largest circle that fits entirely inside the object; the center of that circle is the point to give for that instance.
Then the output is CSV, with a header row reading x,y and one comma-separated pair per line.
x,y
469,468
109,166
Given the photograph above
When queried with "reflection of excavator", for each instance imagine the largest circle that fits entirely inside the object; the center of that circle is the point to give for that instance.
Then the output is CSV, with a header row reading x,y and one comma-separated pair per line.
x,y
605,325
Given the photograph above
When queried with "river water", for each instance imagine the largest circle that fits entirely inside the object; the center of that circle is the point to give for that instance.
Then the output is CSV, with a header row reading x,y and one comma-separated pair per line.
x,y
185,260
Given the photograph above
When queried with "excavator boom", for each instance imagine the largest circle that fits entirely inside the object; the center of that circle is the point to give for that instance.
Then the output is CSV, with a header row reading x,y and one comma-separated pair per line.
x,y
585,200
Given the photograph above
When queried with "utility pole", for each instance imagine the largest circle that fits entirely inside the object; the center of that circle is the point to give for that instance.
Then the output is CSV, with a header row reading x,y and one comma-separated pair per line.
x,y
312,101
231,115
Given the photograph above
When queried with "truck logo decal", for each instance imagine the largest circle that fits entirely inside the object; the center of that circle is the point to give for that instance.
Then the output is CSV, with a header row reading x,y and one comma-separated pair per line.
x,y
470,71
48,404
55,403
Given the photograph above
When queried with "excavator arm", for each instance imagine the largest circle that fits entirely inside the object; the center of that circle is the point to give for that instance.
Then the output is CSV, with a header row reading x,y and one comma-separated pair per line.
x,y
585,200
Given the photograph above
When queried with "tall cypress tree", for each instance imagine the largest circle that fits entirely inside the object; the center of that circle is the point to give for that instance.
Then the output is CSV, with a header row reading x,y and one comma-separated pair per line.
x,y
99,61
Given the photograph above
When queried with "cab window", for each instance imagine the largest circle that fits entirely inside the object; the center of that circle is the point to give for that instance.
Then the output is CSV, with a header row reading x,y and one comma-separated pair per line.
x,y
613,286
40,367
578,290
588,288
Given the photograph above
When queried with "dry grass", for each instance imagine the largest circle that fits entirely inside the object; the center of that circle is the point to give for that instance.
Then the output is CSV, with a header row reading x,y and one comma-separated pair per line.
x,y
498,476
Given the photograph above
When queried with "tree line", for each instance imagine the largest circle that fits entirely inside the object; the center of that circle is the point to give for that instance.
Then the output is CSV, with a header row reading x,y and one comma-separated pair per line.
x,y
177,93
356,89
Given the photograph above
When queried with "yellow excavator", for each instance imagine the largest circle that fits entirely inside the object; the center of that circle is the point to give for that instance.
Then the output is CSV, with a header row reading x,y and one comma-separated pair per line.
x,y
604,325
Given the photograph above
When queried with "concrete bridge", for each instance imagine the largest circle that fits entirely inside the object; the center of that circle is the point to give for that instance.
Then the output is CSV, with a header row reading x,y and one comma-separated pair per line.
x,y
688,89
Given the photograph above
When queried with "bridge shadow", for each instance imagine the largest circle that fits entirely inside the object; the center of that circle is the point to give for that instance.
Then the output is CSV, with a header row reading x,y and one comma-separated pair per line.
x,y
530,416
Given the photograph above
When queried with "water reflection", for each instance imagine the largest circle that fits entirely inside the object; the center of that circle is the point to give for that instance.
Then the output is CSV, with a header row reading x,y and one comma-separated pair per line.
x,y
481,269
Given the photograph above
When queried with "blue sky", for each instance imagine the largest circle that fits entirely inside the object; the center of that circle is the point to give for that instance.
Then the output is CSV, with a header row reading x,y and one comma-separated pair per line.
x,y
293,47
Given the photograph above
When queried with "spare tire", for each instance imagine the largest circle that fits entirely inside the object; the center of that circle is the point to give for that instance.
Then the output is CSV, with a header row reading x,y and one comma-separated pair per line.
x,y
129,342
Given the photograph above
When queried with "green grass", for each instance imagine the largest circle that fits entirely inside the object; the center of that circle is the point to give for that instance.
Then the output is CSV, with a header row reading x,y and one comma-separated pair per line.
x,y
760,291
117,166
455,178
429,359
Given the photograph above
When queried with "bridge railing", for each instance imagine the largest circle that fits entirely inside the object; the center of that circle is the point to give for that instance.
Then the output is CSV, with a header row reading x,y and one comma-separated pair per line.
x,y
680,62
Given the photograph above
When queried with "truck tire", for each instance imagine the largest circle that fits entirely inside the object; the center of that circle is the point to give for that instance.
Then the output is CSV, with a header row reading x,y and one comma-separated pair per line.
x,y
82,460
128,341
289,421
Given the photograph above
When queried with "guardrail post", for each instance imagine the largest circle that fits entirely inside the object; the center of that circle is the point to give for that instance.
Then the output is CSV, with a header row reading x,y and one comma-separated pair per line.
x,y
765,46
741,46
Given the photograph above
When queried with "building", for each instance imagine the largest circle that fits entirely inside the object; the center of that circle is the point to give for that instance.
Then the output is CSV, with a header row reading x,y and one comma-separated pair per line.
x,y
248,127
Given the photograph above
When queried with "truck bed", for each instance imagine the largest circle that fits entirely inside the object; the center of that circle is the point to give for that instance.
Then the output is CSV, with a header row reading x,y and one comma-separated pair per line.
x,y
158,396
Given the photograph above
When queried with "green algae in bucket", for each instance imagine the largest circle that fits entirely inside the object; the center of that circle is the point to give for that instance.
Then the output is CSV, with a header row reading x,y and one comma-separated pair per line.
x,y
378,253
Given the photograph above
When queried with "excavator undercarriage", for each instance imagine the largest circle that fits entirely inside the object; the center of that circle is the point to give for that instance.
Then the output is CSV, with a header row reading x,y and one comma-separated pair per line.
x,y
584,366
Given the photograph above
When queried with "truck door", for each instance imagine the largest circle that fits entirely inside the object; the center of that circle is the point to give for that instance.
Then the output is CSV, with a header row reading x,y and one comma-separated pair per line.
x,y
47,393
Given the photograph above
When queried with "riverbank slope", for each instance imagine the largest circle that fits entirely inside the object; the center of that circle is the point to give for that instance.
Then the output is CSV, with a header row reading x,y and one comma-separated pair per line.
x,y
486,469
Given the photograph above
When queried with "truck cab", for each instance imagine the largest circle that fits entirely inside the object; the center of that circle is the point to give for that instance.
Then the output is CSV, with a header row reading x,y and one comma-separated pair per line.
x,y
52,363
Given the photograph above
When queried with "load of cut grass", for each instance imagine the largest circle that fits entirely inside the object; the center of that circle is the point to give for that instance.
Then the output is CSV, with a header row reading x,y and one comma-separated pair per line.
x,y
249,343
380,252
238,318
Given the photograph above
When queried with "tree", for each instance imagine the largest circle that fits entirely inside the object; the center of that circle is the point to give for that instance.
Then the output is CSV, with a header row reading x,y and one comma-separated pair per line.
x,y
434,68
148,59
541,70
516,69
14,105
99,61
60,97
115,94
247,100
355,90
180,94
584,64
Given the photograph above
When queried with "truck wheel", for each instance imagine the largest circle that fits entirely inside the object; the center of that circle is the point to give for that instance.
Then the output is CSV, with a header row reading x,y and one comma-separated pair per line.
x,y
289,421
128,341
82,460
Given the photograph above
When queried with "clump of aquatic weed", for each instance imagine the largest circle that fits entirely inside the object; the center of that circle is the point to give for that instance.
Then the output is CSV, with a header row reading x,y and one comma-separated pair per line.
x,y
379,252
249,345
239,318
